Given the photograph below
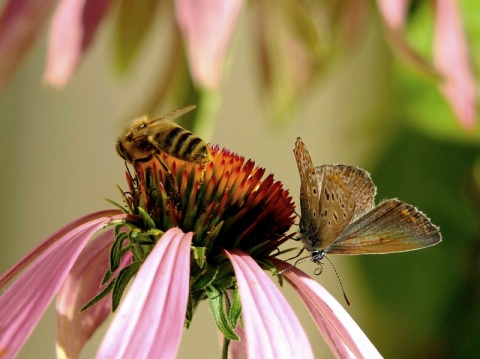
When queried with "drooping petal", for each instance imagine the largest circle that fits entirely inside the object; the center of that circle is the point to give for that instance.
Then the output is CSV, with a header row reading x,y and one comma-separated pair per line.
x,y
394,15
451,58
150,320
21,22
393,12
207,27
342,334
272,328
66,230
73,28
24,302
74,327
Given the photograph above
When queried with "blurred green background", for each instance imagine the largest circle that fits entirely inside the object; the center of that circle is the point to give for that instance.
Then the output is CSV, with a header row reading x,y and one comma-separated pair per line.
x,y
366,109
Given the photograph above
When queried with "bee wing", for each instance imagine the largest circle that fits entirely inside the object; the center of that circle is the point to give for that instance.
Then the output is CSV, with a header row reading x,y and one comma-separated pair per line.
x,y
392,226
173,115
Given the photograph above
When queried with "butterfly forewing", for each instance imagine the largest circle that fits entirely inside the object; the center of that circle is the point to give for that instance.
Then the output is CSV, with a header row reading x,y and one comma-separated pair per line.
x,y
337,204
392,226
309,196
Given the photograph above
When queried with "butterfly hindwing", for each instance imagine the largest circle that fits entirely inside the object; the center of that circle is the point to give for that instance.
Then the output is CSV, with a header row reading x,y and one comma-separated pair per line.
x,y
337,204
392,226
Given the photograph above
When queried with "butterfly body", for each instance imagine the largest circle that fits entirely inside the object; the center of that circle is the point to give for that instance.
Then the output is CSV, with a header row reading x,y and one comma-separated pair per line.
x,y
339,216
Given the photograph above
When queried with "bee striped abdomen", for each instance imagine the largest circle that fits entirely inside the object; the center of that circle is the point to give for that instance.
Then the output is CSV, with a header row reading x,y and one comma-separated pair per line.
x,y
144,138
184,145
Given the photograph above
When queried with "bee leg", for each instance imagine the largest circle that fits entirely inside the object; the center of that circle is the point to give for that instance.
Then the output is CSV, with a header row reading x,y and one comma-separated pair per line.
x,y
134,179
170,176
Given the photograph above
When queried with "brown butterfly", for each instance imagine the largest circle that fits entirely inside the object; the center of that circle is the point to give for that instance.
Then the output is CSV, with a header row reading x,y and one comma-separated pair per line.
x,y
339,216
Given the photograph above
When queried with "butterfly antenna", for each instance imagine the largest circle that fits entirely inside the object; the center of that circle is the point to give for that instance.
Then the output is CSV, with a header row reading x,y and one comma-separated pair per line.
x,y
299,261
339,280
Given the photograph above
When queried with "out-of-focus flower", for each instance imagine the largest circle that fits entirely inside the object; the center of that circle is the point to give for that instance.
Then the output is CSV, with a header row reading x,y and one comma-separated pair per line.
x,y
234,220
294,41
451,62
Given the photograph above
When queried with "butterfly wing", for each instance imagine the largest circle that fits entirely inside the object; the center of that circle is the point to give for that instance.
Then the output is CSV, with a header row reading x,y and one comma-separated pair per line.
x,y
337,204
309,196
392,226
360,184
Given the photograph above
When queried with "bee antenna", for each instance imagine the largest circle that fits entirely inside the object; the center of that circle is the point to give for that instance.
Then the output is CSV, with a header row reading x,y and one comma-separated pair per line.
x,y
339,280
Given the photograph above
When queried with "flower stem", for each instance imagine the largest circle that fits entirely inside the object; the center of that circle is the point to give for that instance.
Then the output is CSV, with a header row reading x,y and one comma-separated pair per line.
x,y
226,343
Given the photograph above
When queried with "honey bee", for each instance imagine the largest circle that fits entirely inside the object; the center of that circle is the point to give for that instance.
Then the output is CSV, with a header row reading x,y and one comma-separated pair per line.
x,y
144,138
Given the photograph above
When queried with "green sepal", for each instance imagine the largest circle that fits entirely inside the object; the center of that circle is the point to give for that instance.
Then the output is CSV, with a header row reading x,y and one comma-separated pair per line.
x,y
225,278
106,277
199,255
100,296
125,199
122,281
147,220
117,251
217,307
206,278
267,265
122,208
144,238
235,309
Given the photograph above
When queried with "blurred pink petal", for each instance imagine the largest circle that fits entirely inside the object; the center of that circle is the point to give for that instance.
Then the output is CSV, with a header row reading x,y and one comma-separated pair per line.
x,y
73,27
74,327
21,22
342,334
207,27
22,304
272,328
238,348
42,247
150,321
393,12
451,58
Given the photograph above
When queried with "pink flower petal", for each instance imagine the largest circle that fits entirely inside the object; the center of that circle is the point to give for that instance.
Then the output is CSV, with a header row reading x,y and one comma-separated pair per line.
x,y
272,328
74,327
74,25
451,58
342,334
20,23
207,27
149,322
22,304
25,261
393,12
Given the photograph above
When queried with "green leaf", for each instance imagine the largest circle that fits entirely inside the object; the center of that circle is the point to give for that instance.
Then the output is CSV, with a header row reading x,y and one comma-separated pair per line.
x,y
132,22
216,304
122,281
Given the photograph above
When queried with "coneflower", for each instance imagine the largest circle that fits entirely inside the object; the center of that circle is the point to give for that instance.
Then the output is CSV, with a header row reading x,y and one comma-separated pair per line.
x,y
186,233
